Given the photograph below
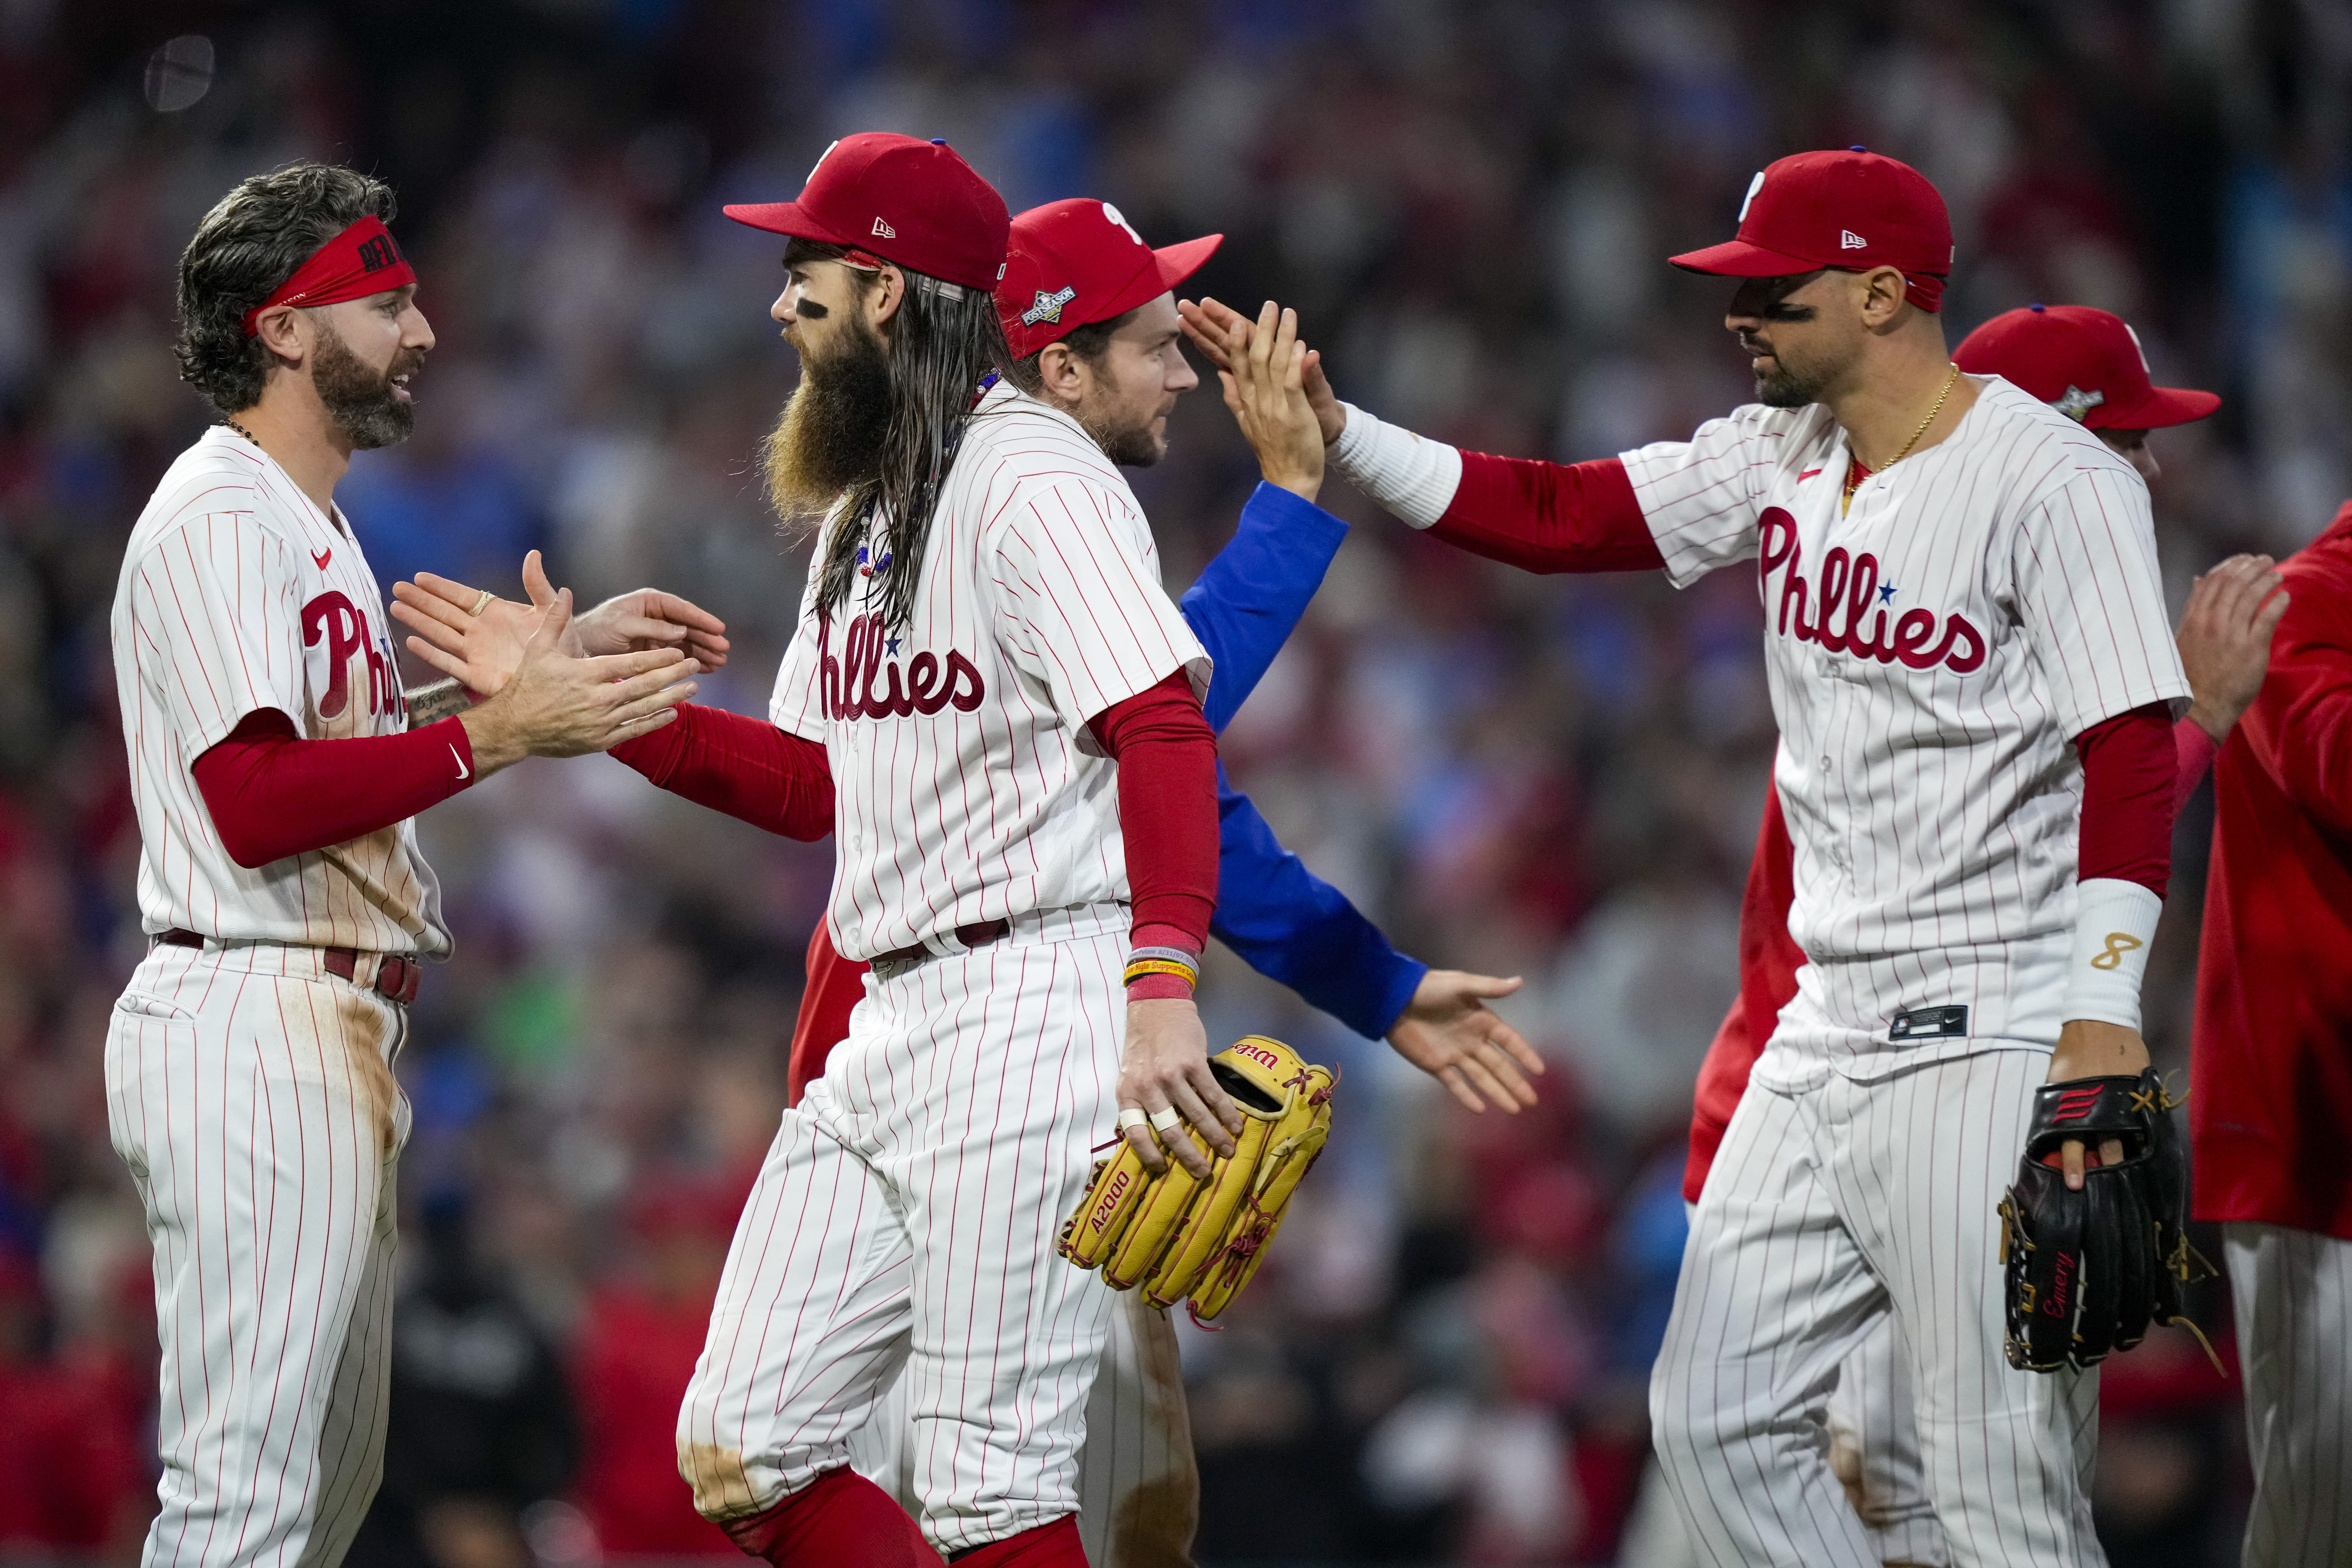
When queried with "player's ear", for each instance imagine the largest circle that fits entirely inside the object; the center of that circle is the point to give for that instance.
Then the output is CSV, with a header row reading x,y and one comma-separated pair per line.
x,y
1061,373
884,296
284,334
1882,297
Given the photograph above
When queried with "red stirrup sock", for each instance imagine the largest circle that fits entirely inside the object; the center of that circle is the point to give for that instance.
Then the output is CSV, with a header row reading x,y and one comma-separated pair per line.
x,y
1054,1545
838,1517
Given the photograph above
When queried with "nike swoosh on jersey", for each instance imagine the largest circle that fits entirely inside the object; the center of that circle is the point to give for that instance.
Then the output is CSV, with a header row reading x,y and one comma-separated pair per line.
x,y
1808,474
322,557
463,772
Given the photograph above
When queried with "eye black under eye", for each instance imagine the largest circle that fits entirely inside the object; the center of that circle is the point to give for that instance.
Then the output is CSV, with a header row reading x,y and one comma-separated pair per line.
x,y
810,311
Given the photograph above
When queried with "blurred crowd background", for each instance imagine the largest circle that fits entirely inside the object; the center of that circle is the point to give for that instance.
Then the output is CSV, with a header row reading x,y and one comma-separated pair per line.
x,y
1470,202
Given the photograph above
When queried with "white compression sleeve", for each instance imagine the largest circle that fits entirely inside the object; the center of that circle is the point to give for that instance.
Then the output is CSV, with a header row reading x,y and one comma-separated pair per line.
x,y
1411,475
2114,921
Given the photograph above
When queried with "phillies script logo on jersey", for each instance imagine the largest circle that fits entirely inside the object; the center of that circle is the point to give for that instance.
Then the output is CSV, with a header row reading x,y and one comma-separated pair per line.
x,y
334,618
868,681
1828,609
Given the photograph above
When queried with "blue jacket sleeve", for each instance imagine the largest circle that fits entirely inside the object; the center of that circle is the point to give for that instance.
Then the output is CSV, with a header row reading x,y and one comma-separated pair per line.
x,y
1299,931
1249,600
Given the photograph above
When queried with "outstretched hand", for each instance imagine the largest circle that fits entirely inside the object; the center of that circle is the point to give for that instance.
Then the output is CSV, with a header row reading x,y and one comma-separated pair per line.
x,y
2225,639
1223,335
1448,1031
1263,389
482,650
554,704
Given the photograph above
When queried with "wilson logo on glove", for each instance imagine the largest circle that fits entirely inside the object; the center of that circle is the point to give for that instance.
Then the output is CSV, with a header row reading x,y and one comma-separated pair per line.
x,y
1179,1237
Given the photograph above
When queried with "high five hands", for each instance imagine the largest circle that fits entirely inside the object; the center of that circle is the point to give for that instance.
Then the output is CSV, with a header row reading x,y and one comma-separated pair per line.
x,y
482,649
552,685
1268,377
1225,337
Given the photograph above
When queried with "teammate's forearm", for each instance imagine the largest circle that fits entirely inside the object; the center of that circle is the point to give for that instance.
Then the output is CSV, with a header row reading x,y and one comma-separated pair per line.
x,y
1300,931
1411,475
432,703
1249,597
746,767
274,795
1550,517
1542,517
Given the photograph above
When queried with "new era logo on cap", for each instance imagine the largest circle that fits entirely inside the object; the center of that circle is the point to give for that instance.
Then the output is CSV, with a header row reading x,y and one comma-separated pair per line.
x,y
884,231
1849,240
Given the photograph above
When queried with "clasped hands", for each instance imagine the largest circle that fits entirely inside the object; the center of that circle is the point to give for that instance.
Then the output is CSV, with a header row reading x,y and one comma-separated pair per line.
x,y
549,683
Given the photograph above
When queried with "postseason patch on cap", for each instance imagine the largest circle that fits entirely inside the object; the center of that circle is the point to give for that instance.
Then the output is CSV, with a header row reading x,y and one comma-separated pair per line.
x,y
1048,307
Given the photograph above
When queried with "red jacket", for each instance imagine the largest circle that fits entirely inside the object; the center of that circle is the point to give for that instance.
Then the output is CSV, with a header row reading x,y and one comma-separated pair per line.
x,y
2270,1074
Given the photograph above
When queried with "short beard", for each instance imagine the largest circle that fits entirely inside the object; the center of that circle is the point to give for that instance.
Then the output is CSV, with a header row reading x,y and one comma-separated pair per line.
x,y
363,403
1786,389
1129,446
831,433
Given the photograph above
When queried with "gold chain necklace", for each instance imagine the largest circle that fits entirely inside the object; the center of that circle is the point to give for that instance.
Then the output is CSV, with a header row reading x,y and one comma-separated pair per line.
x,y
1853,482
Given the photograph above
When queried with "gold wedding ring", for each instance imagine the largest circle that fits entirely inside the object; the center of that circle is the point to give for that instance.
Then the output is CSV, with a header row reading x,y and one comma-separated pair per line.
x,y
483,601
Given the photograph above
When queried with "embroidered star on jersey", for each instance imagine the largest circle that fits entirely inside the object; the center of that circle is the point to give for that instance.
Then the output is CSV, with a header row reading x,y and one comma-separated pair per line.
x,y
1886,592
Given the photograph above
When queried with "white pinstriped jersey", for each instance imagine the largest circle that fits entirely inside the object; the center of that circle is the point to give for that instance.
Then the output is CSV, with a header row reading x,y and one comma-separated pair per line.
x,y
239,595
1932,654
966,786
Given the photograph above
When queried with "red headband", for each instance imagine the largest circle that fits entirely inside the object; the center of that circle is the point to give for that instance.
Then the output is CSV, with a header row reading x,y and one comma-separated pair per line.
x,y
358,262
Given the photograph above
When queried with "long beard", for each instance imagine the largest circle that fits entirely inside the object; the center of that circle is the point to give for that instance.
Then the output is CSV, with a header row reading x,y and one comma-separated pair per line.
x,y
363,402
830,434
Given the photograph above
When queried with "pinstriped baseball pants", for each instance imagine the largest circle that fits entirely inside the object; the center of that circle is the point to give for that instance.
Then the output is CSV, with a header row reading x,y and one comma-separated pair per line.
x,y
2294,1291
904,1224
1138,1488
1827,1210
263,1141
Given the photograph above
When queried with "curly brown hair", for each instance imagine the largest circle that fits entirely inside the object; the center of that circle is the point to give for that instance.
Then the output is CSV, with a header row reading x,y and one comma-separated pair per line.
x,y
247,246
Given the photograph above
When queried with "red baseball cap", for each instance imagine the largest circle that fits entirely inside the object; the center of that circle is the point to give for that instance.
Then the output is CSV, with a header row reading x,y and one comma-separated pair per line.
x,y
1851,209
2085,364
1080,261
909,201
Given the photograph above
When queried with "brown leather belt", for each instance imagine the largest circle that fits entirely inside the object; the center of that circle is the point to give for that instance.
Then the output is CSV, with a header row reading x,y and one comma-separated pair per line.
x,y
396,976
979,935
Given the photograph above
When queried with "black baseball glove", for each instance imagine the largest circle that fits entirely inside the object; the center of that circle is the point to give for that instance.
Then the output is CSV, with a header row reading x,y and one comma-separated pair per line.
x,y
2089,1270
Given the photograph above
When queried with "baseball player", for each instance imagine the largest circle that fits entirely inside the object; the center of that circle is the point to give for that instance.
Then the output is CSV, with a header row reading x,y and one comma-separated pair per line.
x,y
1091,315
2087,363
1971,669
994,708
2271,1072
276,765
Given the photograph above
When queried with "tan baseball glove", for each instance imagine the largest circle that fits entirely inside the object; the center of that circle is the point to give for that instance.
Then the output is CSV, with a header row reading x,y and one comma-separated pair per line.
x,y
1179,1237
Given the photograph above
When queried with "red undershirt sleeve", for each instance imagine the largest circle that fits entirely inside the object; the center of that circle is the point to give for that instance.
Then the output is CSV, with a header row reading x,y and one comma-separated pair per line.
x,y
1167,812
746,767
273,794
2130,775
1550,517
